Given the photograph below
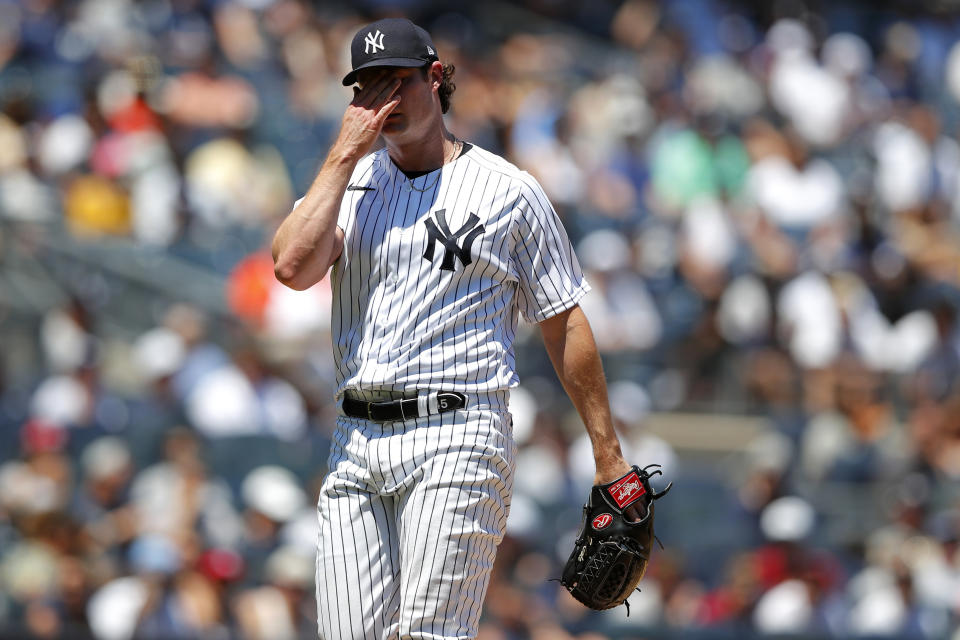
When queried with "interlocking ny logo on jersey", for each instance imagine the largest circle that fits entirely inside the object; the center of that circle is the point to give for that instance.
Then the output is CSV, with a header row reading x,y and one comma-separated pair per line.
x,y
373,41
439,230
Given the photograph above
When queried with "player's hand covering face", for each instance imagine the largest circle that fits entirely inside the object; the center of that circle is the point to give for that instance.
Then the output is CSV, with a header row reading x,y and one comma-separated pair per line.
x,y
413,118
372,103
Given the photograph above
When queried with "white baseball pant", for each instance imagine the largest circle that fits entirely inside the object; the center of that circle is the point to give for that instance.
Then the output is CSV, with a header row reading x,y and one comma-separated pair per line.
x,y
411,514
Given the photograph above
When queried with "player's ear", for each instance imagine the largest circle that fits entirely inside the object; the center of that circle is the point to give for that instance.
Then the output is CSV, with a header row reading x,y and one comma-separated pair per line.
x,y
436,74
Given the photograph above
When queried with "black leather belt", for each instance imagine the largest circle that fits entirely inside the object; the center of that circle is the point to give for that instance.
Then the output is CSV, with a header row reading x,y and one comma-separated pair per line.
x,y
425,404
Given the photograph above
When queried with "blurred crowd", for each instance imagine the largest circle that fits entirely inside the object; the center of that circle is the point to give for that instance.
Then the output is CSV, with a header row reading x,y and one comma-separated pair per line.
x,y
766,200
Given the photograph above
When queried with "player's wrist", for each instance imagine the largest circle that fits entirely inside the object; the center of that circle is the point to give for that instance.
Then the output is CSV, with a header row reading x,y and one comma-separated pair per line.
x,y
608,452
610,464
345,154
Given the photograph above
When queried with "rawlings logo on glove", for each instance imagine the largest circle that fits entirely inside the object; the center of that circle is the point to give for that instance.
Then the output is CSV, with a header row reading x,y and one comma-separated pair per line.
x,y
627,490
611,553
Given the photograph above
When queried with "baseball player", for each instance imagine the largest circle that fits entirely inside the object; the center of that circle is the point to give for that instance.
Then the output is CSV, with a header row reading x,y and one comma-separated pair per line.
x,y
436,247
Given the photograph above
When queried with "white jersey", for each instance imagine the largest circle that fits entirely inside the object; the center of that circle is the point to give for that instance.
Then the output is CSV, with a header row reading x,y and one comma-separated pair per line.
x,y
435,272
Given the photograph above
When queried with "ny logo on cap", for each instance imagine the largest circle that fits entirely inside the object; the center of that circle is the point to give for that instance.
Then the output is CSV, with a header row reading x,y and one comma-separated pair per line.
x,y
373,41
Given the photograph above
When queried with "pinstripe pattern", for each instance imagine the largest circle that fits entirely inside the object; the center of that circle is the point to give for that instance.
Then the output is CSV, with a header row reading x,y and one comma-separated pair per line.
x,y
412,512
410,518
401,321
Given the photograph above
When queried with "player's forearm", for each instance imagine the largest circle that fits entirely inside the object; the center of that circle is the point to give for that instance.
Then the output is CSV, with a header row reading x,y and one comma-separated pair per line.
x,y
307,243
573,352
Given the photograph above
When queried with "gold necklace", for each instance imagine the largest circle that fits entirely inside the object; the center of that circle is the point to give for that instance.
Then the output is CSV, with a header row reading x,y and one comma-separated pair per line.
x,y
456,146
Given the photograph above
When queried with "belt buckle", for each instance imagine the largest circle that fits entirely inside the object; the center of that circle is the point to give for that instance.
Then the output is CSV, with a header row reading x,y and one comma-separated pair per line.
x,y
369,413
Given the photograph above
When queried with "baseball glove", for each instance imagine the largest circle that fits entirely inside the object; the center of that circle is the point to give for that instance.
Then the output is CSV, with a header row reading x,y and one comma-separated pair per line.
x,y
611,553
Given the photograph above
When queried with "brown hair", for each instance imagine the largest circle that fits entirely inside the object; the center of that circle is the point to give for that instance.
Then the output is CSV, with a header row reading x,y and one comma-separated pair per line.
x,y
447,86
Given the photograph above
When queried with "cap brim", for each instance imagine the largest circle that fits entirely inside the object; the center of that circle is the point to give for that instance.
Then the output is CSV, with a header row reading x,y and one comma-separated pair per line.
x,y
351,77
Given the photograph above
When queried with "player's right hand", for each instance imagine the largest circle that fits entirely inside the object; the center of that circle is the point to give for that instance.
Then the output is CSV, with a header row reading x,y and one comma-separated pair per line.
x,y
368,110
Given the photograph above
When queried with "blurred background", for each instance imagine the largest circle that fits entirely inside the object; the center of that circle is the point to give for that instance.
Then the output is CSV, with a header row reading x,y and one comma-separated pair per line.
x,y
764,196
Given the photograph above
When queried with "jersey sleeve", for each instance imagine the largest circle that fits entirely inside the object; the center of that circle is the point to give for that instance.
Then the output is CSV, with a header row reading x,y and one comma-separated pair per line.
x,y
347,205
550,277
362,177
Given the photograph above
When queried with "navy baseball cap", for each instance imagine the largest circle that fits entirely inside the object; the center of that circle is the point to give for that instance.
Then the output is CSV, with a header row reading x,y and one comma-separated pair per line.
x,y
391,42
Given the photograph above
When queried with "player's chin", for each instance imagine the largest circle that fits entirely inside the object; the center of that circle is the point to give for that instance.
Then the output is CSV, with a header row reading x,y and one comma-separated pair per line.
x,y
394,123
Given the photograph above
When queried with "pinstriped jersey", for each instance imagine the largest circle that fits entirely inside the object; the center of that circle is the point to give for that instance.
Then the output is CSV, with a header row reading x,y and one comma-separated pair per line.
x,y
436,271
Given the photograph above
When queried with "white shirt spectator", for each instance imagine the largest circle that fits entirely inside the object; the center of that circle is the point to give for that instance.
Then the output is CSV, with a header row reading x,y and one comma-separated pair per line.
x,y
620,309
745,310
903,173
786,608
810,319
709,237
816,101
796,197
226,403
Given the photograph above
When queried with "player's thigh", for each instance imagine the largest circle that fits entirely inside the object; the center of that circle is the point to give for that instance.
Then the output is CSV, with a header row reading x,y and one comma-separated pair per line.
x,y
357,561
452,520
